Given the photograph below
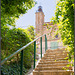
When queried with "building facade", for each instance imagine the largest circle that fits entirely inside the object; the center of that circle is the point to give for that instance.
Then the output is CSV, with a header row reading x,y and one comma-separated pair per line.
x,y
42,27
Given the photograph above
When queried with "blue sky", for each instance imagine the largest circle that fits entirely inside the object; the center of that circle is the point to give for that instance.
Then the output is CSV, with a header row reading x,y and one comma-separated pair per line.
x,y
27,19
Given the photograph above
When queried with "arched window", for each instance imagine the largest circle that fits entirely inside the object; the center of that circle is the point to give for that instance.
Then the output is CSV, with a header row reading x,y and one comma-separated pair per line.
x,y
56,36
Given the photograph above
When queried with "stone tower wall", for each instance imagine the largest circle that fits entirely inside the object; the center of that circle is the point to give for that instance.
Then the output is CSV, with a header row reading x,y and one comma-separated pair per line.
x,y
41,28
39,23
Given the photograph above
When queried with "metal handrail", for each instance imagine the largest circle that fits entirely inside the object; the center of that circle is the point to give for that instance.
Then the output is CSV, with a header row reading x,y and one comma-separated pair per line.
x,y
21,50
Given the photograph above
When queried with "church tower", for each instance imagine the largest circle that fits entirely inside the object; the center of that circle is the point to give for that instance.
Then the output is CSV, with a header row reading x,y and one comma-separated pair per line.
x,y
39,20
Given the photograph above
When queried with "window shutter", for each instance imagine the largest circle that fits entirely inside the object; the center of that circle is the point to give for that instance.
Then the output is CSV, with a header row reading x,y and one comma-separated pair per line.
x,y
54,45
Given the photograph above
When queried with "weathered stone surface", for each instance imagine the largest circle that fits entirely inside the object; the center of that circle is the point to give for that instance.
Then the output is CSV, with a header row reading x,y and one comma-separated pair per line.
x,y
53,64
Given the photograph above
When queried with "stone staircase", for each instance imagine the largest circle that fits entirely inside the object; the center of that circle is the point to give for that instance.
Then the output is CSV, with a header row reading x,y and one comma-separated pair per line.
x,y
53,63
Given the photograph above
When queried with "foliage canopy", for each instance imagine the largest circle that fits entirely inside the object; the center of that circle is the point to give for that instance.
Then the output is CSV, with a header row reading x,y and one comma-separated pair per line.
x,y
64,18
13,38
30,29
12,9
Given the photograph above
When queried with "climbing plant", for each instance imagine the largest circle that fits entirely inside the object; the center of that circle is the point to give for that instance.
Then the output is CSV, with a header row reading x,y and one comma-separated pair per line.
x,y
64,18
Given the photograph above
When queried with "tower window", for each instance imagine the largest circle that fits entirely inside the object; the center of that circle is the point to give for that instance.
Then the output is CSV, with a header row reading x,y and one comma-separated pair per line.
x,y
56,36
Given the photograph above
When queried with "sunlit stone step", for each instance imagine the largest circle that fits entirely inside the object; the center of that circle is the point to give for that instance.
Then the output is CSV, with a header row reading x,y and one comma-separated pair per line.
x,y
53,68
54,62
50,65
53,72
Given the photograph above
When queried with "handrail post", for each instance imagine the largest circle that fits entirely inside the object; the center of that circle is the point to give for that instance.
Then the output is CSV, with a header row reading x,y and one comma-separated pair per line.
x,y
19,50
21,72
45,43
41,46
34,52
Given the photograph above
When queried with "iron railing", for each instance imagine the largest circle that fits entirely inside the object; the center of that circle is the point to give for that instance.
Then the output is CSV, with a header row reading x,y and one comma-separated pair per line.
x,y
21,50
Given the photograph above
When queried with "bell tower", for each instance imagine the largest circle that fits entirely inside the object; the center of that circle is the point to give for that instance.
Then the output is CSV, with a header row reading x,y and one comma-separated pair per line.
x,y
39,20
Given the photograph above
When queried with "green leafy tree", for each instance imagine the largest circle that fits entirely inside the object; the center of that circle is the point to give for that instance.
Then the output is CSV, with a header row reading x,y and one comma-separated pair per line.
x,y
14,40
64,18
11,10
30,29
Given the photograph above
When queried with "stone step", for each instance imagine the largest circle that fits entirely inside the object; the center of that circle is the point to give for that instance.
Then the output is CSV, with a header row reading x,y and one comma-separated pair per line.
x,y
56,53
52,62
58,59
49,55
62,50
54,68
50,65
52,72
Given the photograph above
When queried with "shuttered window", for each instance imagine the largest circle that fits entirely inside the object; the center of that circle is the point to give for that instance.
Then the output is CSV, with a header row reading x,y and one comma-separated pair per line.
x,y
54,45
